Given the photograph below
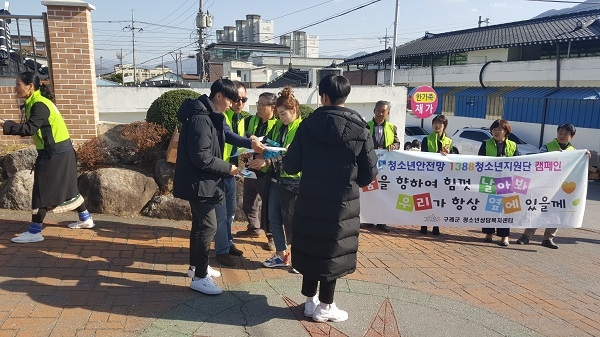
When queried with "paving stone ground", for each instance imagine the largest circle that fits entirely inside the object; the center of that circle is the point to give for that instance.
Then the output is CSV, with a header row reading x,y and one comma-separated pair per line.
x,y
126,277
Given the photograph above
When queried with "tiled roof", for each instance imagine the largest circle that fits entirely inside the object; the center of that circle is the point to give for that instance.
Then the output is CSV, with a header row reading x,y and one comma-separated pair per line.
x,y
544,30
292,78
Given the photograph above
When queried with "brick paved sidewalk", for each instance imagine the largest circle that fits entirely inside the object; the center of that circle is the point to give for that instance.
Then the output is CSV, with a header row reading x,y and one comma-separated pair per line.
x,y
121,277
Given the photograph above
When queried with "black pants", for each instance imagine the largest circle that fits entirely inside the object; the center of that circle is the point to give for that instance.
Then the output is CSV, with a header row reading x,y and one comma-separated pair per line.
x,y
253,189
288,195
499,231
326,289
204,227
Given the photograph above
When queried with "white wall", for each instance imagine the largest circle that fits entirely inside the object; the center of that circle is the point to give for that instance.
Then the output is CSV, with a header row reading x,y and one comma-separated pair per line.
x,y
482,56
128,104
529,132
575,72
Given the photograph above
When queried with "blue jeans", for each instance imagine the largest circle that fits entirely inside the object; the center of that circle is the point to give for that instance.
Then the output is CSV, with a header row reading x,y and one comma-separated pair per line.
x,y
276,217
225,214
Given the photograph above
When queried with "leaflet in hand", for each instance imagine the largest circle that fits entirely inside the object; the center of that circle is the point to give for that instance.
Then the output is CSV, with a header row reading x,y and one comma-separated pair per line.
x,y
242,150
245,173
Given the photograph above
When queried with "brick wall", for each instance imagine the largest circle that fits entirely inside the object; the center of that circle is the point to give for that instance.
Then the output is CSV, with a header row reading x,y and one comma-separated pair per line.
x,y
9,109
72,69
215,71
73,74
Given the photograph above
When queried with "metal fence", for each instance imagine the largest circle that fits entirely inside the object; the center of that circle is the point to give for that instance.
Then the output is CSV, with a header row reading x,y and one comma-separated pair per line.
x,y
24,45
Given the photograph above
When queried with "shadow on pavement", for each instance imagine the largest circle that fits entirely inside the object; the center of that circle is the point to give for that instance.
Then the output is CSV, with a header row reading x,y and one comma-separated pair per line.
x,y
136,270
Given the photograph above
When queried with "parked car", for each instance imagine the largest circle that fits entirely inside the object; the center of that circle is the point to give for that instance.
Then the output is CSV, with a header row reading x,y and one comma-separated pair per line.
x,y
411,133
468,140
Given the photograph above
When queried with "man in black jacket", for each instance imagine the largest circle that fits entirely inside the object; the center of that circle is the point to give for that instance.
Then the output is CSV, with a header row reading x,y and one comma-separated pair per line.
x,y
199,171
334,151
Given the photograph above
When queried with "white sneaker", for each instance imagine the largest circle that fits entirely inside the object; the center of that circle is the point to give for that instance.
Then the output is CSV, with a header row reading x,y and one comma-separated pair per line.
x,y
210,272
329,312
213,272
28,237
205,285
89,223
311,304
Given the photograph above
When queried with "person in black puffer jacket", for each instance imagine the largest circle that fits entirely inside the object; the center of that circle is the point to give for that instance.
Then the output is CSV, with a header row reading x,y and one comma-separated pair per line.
x,y
199,173
334,151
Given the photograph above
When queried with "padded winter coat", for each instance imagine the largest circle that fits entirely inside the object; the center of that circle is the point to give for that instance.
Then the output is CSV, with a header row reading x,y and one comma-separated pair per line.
x,y
334,151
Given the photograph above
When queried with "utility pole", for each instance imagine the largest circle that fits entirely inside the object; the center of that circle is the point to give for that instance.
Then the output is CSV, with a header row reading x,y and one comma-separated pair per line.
x,y
120,57
394,45
385,39
176,57
203,20
479,22
133,29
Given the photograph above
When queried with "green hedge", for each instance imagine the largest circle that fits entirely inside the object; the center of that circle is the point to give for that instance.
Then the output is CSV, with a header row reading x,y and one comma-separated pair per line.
x,y
163,110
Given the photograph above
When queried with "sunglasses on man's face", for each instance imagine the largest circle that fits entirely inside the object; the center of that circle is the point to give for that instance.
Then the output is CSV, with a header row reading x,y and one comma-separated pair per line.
x,y
243,99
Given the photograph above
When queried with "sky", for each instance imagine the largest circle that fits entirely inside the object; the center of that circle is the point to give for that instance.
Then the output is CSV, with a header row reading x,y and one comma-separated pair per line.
x,y
168,26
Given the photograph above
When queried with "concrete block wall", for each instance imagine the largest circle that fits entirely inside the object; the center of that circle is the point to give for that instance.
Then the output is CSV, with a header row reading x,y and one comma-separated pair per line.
x,y
72,70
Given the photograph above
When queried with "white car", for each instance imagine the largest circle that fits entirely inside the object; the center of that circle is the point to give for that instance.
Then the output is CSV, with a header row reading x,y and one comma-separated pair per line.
x,y
468,140
411,133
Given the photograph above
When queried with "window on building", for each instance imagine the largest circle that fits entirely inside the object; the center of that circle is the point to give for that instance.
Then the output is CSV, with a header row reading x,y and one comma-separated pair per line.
x,y
239,73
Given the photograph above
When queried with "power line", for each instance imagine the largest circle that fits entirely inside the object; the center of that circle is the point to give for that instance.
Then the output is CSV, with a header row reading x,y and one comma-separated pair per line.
x,y
173,12
301,10
567,2
328,18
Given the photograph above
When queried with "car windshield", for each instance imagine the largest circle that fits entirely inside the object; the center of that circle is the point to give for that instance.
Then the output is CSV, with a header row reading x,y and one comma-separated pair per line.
x,y
415,131
516,139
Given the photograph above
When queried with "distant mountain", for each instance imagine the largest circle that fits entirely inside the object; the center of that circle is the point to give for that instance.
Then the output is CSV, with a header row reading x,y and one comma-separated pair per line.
x,y
339,56
584,6
188,64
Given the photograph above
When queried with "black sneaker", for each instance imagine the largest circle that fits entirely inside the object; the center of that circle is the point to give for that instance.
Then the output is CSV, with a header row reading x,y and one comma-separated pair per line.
x,y
249,233
233,250
225,259
270,245
436,230
523,240
550,244
423,230
383,227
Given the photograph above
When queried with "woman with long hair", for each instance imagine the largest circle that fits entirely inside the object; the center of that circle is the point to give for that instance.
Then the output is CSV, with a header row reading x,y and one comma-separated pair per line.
x,y
55,170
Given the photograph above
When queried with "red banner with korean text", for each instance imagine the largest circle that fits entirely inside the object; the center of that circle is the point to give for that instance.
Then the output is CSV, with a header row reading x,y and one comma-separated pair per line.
x,y
429,189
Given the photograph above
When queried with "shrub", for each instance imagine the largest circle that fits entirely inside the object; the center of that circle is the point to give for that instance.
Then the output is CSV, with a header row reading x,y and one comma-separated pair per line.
x,y
92,154
143,135
163,110
305,110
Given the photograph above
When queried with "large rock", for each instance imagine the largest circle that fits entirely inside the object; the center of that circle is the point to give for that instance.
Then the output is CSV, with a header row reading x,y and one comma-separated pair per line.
x,y
116,191
168,207
16,161
163,174
15,193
